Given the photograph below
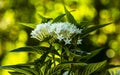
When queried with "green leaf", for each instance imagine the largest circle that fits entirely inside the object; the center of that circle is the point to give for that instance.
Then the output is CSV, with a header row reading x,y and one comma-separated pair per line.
x,y
114,72
31,49
67,51
44,19
70,17
16,73
75,63
57,70
33,71
92,54
30,25
48,66
55,52
24,49
88,30
11,67
40,62
22,69
109,66
84,24
92,67
58,18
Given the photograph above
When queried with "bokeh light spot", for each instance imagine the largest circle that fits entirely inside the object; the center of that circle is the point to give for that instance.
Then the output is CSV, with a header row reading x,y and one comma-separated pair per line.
x,y
110,53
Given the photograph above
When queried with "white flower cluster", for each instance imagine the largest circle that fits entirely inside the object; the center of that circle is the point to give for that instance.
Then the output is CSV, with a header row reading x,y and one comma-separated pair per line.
x,y
61,31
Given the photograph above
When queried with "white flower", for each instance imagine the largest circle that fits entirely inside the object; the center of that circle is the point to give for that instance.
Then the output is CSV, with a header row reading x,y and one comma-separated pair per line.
x,y
60,37
41,31
67,41
61,31
66,73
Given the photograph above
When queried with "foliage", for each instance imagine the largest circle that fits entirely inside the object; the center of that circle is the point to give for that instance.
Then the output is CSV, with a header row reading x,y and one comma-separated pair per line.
x,y
60,58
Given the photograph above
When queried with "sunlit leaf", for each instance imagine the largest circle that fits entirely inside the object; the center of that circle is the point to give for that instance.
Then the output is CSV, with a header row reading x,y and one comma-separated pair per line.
x,y
57,70
92,67
44,19
30,25
22,69
31,49
70,17
92,54
88,30
58,18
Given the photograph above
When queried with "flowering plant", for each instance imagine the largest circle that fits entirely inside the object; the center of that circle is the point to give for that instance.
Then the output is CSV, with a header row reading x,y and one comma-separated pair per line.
x,y
61,31
64,53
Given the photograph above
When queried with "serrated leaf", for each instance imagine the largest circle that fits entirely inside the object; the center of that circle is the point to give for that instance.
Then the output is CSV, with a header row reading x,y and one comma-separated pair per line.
x,y
57,69
58,18
70,17
92,67
30,25
17,68
88,30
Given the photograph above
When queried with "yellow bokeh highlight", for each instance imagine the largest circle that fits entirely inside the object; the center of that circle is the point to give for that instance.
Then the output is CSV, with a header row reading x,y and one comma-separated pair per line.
x,y
118,38
51,9
114,44
94,39
9,46
115,13
1,48
105,1
86,1
110,53
22,36
99,39
102,38
7,19
5,72
105,16
109,29
84,11
13,58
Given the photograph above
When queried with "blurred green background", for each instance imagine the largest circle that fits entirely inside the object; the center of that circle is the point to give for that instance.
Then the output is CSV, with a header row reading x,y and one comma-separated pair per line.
x,y
13,35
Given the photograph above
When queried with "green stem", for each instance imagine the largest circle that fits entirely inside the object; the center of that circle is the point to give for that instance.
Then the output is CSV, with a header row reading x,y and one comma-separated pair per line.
x,y
53,59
